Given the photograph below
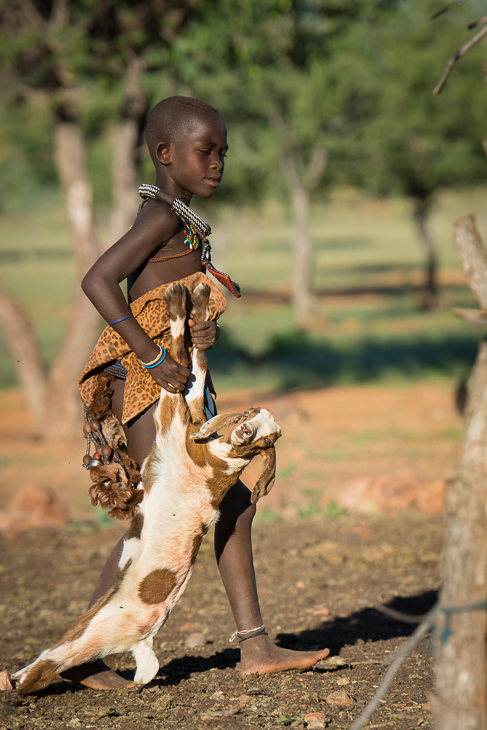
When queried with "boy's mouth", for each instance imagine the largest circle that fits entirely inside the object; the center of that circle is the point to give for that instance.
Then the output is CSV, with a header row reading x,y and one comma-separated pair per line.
x,y
213,181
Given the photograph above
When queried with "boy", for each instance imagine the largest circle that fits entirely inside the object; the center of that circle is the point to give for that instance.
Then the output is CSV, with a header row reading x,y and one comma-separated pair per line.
x,y
187,143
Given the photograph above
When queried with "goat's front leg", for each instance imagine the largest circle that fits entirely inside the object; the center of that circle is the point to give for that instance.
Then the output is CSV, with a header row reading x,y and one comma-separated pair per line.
x,y
196,394
146,660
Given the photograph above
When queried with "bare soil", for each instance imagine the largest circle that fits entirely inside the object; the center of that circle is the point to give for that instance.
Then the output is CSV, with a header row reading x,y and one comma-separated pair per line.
x,y
321,579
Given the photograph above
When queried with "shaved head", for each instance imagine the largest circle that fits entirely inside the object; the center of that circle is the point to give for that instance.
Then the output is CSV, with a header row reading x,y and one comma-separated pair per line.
x,y
172,117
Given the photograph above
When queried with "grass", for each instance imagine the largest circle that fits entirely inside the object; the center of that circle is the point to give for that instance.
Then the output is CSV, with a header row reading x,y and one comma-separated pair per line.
x,y
368,322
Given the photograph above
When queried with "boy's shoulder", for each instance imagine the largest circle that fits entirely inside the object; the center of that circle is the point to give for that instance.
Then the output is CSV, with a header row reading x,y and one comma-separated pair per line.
x,y
159,219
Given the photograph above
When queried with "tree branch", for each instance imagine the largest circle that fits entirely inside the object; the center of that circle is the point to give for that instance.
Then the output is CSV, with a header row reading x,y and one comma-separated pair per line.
x,y
31,14
447,8
25,349
463,50
476,23
316,167
60,14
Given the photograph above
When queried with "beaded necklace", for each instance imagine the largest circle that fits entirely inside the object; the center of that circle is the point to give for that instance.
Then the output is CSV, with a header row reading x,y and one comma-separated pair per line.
x,y
196,231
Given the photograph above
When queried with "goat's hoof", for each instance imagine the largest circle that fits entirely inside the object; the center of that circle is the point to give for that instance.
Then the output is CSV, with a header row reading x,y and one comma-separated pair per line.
x,y
176,299
200,299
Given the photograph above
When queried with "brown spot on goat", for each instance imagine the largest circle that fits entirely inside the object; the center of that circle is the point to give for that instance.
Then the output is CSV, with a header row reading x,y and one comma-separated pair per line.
x,y
157,586
39,677
135,529
197,543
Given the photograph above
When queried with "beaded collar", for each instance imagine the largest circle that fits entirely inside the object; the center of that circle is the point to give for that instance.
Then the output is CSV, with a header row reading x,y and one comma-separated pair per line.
x,y
197,231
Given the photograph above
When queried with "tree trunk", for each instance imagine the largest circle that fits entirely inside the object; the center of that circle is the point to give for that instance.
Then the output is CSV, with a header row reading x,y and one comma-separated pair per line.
x,y
62,397
461,653
56,393
126,141
420,215
302,245
303,257
300,180
125,200
71,166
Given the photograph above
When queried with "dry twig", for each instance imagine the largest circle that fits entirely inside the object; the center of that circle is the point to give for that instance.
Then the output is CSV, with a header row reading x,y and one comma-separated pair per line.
x,y
461,52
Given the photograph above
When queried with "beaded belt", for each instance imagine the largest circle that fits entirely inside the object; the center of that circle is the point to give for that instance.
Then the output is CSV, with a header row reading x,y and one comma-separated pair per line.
x,y
118,370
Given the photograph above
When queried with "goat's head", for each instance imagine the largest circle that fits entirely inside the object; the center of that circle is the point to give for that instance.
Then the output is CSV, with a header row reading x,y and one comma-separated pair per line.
x,y
242,436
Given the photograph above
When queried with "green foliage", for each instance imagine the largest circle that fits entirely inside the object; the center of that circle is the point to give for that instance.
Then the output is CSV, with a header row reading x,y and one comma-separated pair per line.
x,y
292,78
26,154
409,141
333,511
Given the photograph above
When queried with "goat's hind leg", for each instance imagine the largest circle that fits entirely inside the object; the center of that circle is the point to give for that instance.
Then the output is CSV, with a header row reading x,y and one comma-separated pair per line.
x,y
196,395
176,298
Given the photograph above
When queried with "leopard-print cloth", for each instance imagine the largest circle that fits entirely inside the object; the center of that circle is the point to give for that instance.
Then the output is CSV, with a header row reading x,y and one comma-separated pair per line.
x,y
150,310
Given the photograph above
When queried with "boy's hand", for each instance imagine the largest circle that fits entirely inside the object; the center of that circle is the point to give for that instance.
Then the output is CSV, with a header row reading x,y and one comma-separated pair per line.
x,y
204,334
170,375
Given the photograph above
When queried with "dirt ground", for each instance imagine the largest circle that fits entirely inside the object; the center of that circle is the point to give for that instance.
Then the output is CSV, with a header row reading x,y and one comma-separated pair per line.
x,y
322,575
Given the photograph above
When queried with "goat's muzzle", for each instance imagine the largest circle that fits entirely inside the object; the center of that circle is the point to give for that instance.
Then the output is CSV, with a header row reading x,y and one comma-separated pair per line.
x,y
243,433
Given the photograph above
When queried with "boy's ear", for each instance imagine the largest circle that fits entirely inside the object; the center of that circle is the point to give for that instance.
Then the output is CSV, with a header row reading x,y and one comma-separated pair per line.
x,y
163,153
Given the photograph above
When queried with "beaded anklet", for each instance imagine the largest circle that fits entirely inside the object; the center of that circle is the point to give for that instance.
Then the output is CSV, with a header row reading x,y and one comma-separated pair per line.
x,y
259,631
197,231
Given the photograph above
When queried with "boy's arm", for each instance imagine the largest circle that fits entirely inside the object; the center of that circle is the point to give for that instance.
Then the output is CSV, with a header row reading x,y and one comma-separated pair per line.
x,y
154,225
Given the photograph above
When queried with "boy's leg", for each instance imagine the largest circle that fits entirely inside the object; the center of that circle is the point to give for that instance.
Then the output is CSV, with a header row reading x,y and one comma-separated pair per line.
x,y
233,549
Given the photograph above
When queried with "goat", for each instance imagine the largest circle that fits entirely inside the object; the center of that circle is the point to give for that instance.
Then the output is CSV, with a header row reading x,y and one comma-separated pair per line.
x,y
192,465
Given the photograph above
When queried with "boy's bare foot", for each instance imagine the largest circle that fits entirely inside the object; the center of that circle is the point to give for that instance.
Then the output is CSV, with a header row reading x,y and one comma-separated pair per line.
x,y
262,656
5,683
97,675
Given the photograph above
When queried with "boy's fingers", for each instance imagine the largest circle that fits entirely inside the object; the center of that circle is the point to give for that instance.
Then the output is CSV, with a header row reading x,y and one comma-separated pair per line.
x,y
201,326
183,371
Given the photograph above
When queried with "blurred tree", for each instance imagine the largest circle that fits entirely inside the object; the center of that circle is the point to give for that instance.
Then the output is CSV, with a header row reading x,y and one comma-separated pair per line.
x,y
89,65
310,87
415,144
272,77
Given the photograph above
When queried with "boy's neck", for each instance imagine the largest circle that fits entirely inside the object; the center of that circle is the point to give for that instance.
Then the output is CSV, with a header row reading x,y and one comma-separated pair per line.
x,y
168,186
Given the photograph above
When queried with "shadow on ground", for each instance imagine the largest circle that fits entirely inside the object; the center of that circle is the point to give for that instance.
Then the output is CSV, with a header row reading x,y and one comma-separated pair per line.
x,y
298,359
366,625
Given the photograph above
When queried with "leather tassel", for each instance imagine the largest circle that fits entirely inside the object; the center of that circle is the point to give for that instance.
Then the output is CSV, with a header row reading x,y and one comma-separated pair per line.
x,y
224,279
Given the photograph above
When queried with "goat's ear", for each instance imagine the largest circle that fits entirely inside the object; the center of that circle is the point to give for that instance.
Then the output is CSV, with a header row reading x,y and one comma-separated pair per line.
x,y
210,427
266,480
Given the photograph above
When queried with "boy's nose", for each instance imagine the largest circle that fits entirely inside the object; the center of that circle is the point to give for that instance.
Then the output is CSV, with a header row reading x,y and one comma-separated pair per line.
x,y
217,163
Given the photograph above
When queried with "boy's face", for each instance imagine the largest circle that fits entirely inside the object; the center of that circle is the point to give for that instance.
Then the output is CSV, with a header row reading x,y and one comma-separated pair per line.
x,y
195,160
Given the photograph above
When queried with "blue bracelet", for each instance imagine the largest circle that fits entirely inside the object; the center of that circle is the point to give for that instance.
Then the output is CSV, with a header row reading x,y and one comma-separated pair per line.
x,y
161,359
116,321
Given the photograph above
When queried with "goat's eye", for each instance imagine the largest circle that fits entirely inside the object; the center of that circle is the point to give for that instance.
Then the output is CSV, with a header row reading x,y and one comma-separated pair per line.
x,y
246,414
267,442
